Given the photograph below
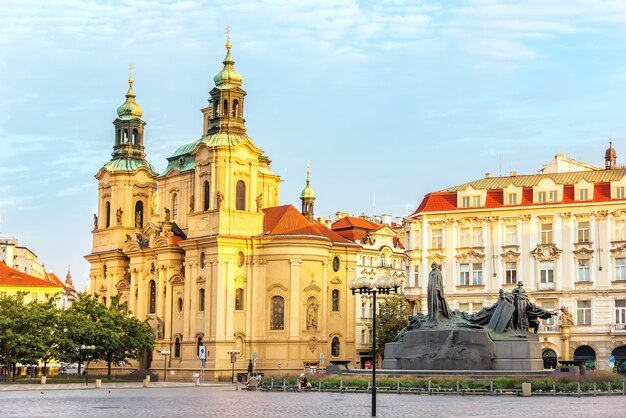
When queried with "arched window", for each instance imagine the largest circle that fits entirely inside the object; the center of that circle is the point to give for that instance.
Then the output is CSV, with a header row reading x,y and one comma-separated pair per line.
x,y
206,195
104,271
118,136
107,214
179,305
334,347
620,358
587,354
177,347
104,300
174,206
278,313
216,110
335,300
239,299
202,260
139,214
152,297
199,344
225,109
135,137
201,300
126,136
235,108
549,359
241,195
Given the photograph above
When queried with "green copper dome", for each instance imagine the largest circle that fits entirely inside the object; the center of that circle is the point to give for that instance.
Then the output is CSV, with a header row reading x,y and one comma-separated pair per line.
x,y
228,77
130,109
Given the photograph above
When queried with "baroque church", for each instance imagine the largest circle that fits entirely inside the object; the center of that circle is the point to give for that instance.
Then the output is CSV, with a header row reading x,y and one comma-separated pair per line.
x,y
207,254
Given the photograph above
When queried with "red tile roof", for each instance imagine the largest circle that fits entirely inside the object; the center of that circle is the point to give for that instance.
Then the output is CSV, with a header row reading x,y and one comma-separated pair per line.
x,y
287,220
16,278
446,201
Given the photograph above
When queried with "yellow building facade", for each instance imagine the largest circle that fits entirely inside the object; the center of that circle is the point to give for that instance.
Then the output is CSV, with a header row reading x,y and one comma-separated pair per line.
x,y
205,252
560,232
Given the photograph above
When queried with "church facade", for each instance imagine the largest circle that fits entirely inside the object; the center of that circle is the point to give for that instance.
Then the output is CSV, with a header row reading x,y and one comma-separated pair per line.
x,y
207,254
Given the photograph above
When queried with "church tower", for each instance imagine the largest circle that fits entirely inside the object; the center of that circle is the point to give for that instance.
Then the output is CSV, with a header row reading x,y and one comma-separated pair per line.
x,y
127,187
308,198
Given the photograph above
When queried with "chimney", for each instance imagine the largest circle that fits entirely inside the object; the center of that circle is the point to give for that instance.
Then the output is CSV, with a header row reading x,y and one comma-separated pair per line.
x,y
513,173
487,175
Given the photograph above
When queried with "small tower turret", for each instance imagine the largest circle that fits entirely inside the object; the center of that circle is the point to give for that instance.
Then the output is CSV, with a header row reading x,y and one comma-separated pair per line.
x,y
129,126
610,157
308,197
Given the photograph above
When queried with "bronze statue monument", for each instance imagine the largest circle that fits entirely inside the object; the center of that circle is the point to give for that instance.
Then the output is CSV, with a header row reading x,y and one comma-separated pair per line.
x,y
497,337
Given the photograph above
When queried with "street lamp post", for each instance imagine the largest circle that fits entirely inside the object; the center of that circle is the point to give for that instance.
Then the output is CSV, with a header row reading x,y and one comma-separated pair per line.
x,y
85,350
233,359
165,353
367,286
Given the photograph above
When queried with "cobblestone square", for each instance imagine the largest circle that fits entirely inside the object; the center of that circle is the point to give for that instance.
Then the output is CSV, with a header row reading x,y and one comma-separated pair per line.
x,y
224,401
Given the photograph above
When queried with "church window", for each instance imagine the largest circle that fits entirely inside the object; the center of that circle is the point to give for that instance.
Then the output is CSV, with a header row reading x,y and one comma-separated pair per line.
x,y
152,297
104,271
174,206
335,300
104,300
201,300
278,313
334,347
225,110
202,260
241,195
107,211
206,195
118,136
135,137
126,136
139,214
177,347
335,264
239,299
179,305
235,108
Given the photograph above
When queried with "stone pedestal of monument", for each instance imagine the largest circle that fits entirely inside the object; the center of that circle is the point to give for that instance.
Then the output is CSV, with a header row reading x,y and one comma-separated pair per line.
x,y
463,349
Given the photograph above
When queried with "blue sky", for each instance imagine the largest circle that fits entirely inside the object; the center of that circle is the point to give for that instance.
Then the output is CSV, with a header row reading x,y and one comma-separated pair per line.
x,y
388,99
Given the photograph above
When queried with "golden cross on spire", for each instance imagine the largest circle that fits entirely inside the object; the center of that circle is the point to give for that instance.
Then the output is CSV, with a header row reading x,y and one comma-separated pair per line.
x,y
228,36
130,73
308,171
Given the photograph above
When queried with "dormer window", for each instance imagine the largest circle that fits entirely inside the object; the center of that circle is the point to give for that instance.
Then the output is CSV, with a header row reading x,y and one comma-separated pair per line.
x,y
619,192
547,197
511,199
583,194
470,201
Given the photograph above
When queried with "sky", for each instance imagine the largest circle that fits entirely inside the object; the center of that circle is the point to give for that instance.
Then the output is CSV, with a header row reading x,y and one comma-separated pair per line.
x,y
387,99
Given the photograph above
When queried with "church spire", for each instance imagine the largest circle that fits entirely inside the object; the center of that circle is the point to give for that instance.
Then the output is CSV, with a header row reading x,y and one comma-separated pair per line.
x,y
227,97
129,126
308,196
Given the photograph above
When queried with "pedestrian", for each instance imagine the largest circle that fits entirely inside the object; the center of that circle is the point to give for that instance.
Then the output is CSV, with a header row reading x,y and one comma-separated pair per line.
x,y
303,382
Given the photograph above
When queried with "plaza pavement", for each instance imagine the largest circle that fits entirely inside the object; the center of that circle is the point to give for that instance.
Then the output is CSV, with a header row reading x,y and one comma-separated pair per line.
x,y
177,399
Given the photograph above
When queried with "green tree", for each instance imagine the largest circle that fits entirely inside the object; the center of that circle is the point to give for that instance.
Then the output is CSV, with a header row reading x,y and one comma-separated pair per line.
x,y
121,337
393,315
78,326
44,317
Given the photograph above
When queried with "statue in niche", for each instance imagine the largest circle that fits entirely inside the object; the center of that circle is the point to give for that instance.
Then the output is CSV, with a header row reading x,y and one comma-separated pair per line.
x,y
138,219
118,215
220,200
192,201
160,327
153,204
311,316
259,202
167,215
566,316
95,221
438,309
